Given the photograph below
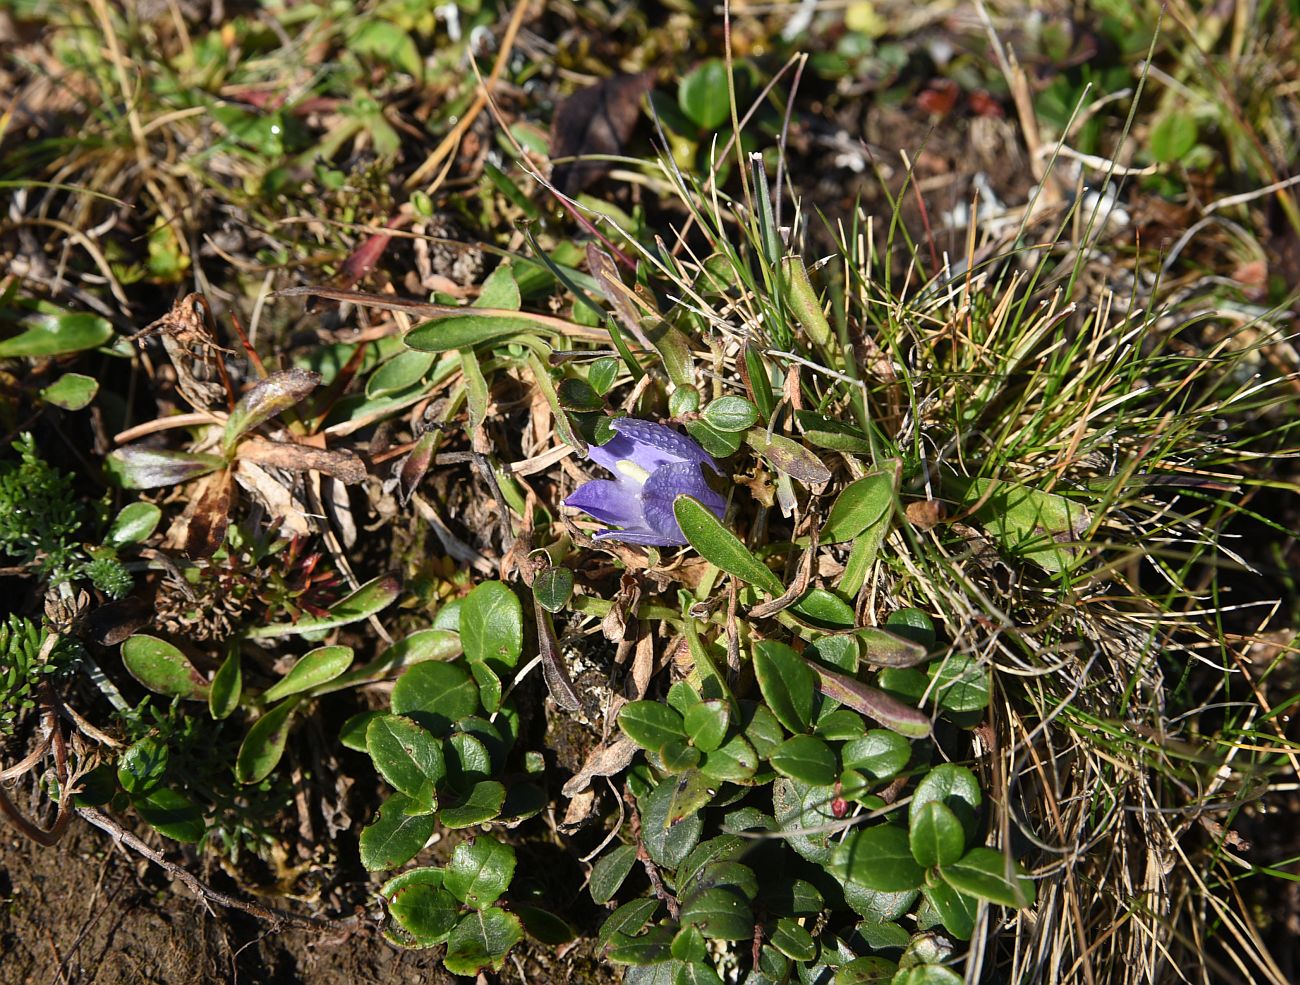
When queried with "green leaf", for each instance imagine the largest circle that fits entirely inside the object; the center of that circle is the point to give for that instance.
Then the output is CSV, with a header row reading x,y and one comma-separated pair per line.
x,y
731,414
927,974
839,725
935,835
500,290
717,544
544,926
396,836
492,625
318,666
402,371
162,668
602,373
689,945
134,467
142,766
437,695
406,755
863,505
459,331
650,724
553,588
1026,522
703,95
720,913
912,624
267,398
789,687
789,457
1173,136
886,648
956,910
652,947
871,970
807,759
695,973
71,391
792,940
56,335
133,525
706,724
387,42
880,753
627,920
873,703
480,870
798,807
422,907
264,744
483,802
960,683
227,685
825,607
762,729
719,444
578,395
878,858
608,874
468,761
372,597
734,762
957,789
482,940
668,835
352,735
171,813
988,874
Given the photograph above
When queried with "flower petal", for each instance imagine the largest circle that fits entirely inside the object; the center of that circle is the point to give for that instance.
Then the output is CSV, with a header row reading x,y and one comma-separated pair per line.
x,y
662,489
648,446
609,502
647,537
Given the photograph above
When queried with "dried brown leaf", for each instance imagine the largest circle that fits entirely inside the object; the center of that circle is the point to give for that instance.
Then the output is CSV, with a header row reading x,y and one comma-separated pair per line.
x,y
596,120
341,464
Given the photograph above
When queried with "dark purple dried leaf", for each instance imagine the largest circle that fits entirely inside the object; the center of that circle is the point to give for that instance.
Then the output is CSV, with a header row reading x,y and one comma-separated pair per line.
x,y
136,467
596,120
278,392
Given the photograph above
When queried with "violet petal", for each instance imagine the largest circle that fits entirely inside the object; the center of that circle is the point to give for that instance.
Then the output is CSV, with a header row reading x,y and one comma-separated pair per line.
x,y
647,445
650,538
618,503
662,489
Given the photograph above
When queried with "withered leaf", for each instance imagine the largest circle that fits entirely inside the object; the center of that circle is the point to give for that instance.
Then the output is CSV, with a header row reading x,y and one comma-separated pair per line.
x,y
553,669
341,464
209,515
410,473
268,397
596,120
604,761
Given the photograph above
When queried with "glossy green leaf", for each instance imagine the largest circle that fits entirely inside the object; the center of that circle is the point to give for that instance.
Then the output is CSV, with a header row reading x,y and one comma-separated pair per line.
x,y
927,974
352,734
804,813
627,920
543,925
57,334
871,970
482,940
133,525
935,835
71,391
720,913
609,873
1173,136
171,813
162,668
402,371
825,607
319,666
804,303
807,759
717,544
267,398
142,765
960,683
730,413
423,908
668,834
706,724
988,874
912,624
878,858
651,948
789,686
227,685
863,505
372,597
263,746
437,695
650,724
880,753
735,761
482,803
492,625
791,939
480,870
956,788
553,588
885,648
396,836
957,910
409,757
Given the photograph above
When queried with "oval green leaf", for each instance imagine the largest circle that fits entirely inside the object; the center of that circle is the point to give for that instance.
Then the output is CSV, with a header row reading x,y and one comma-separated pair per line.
x,y
162,668
264,744
320,666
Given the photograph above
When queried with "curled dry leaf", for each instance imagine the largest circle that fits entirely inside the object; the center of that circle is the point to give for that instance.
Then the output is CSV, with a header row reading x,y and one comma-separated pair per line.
x,y
209,515
594,121
604,760
341,464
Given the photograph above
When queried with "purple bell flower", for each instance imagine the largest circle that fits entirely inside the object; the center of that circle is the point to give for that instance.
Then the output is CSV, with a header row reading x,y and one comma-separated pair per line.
x,y
652,465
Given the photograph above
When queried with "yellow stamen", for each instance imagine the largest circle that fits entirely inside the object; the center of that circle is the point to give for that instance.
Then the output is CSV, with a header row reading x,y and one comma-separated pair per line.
x,y
632,470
